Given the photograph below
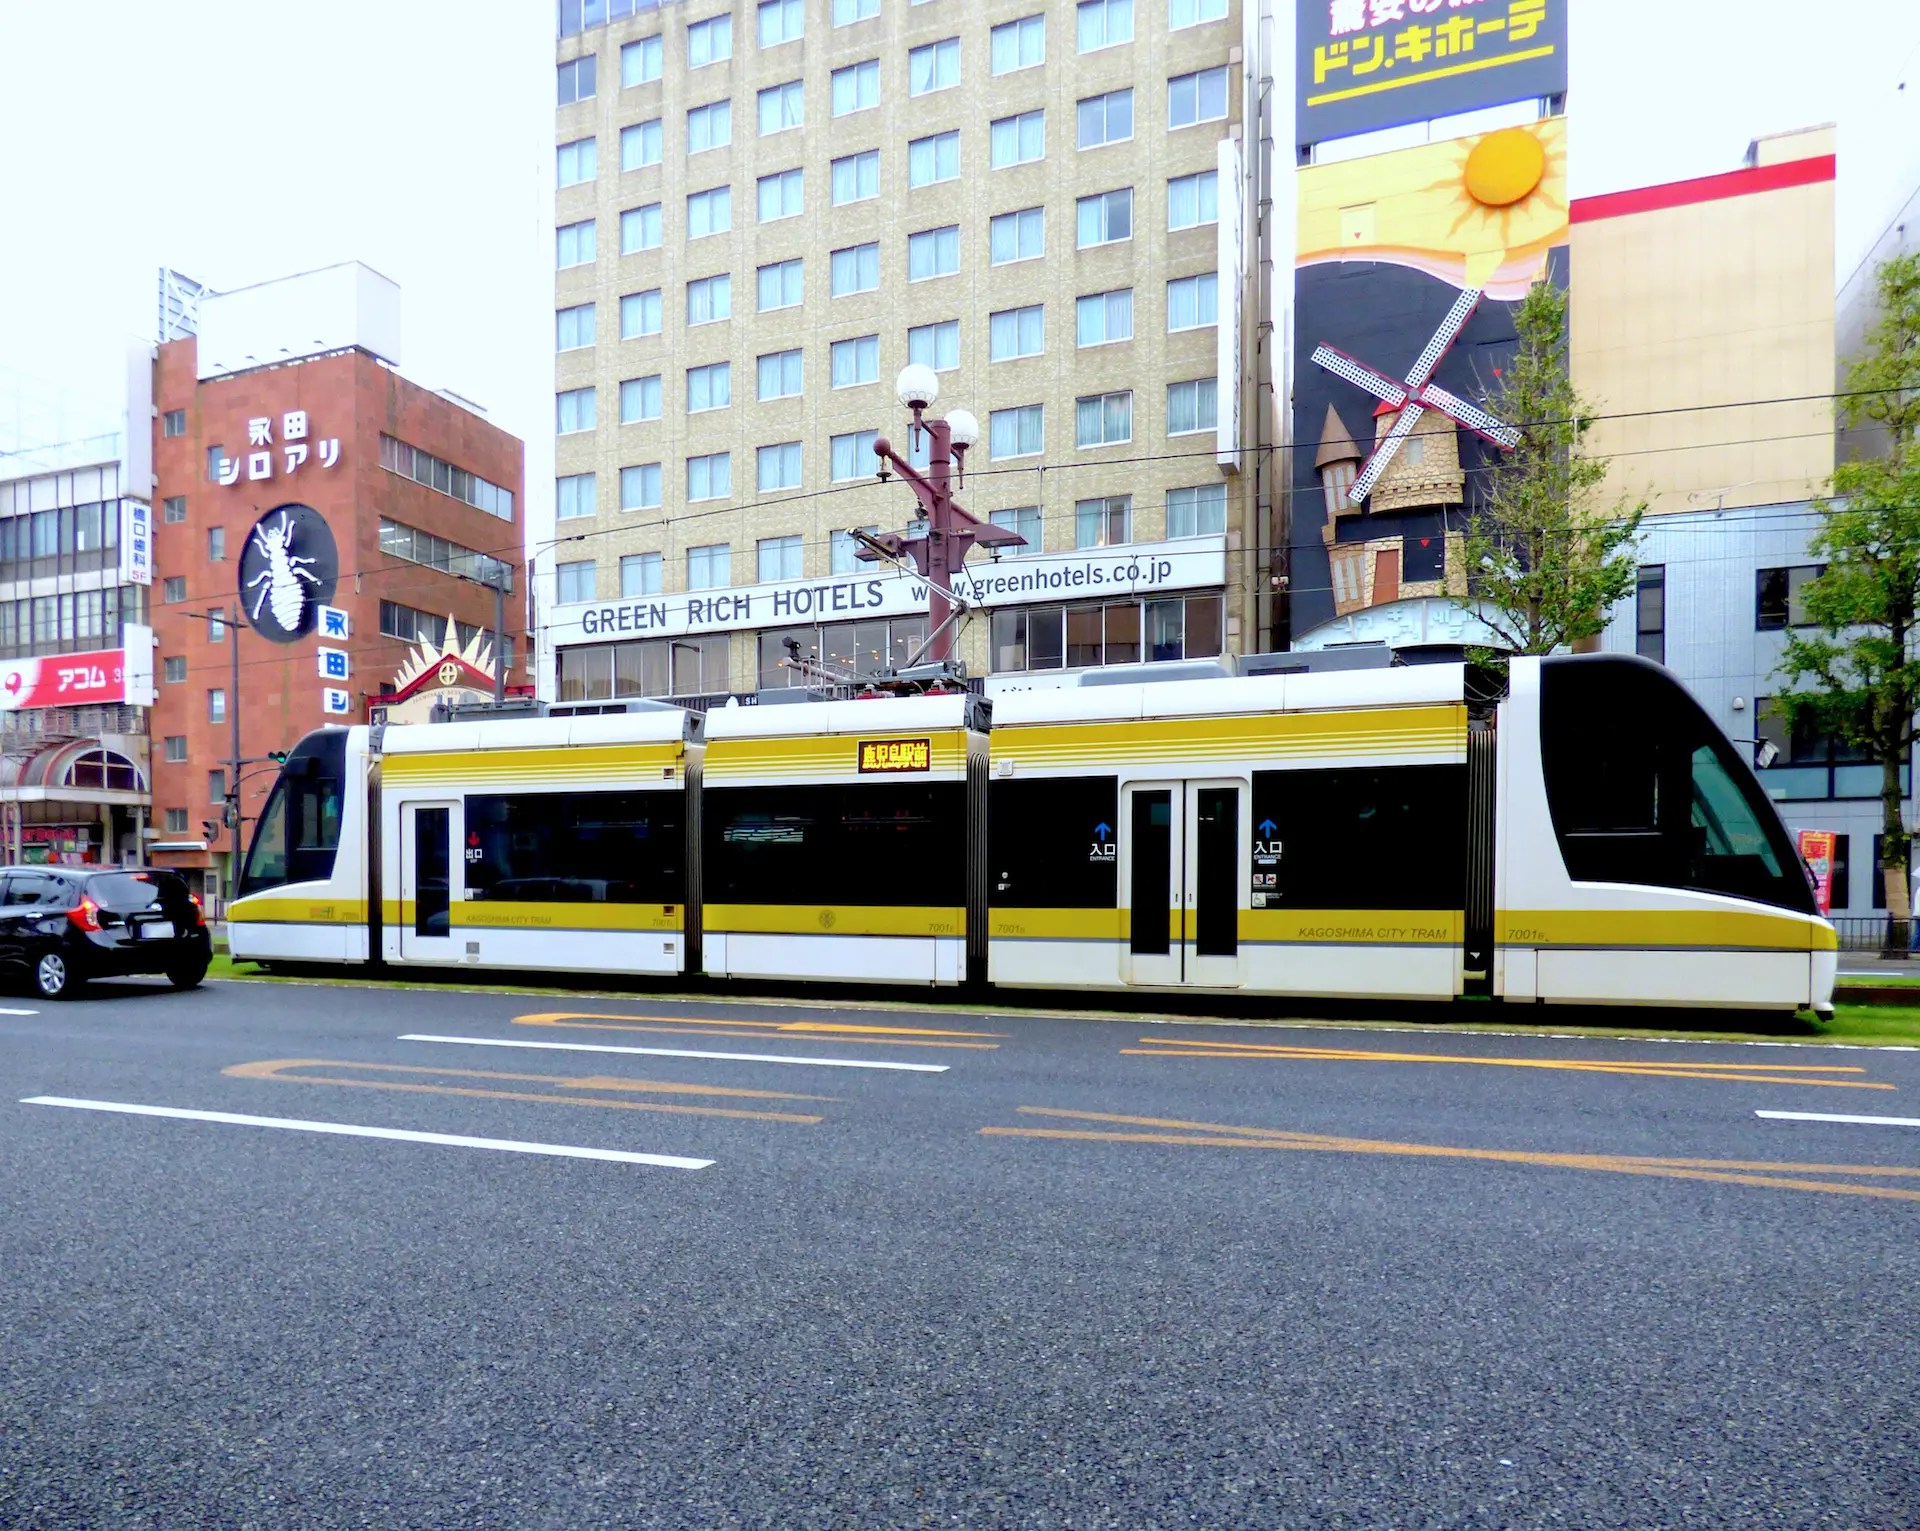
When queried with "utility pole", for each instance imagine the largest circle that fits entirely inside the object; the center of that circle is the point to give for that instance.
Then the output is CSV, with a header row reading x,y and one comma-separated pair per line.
x,y
941,550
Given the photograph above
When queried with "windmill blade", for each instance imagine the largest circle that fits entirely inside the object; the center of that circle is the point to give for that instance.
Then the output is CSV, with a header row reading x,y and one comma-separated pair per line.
x,y
1472,416
1383,454
1450,328
1344,366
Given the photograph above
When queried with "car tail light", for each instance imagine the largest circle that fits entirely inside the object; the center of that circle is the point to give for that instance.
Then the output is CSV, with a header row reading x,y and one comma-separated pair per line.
x,y
199,909
86,916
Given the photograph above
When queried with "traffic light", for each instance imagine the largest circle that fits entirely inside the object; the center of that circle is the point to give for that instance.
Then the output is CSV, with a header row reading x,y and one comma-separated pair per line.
x,y
278,757
210,829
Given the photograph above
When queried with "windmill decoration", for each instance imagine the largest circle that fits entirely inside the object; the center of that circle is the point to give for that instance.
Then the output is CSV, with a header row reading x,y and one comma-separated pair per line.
x,y
1417,394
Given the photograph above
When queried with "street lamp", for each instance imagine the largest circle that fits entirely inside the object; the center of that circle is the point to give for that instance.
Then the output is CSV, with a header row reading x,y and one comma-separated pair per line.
x,y
940,547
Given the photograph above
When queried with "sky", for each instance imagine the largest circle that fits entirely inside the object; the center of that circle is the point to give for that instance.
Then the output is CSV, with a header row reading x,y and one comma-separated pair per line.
x,y
237,141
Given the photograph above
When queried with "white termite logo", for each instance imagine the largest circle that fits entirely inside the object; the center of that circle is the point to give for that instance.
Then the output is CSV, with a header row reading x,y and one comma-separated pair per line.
x,y
282,575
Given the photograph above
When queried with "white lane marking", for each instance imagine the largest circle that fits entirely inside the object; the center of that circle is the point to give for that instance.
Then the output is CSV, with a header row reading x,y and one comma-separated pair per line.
x,y
18,1012
680,1052
1858,1121
396,1134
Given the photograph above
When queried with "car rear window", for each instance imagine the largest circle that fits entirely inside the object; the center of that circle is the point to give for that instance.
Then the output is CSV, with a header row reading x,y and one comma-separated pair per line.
x,y
127,892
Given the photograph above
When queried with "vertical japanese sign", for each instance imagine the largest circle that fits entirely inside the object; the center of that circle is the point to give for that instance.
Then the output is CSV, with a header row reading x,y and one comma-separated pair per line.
x,y
1816,849
1232,284
1367,64
136,542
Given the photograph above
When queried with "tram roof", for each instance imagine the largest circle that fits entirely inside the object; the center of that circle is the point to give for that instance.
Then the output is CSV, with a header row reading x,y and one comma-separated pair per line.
x,y
1333,691
870,715
662,725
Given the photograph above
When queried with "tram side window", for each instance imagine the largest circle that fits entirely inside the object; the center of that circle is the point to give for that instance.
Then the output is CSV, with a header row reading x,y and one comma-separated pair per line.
x,y
1052,843
576,848
298,834
1364,837
858,845
1643,788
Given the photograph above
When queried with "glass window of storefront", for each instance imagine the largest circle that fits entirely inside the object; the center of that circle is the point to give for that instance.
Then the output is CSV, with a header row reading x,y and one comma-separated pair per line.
x,y
1106,633
846,648
600,672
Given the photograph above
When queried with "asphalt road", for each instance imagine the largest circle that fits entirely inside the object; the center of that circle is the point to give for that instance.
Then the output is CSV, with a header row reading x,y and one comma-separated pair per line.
x,y
1085,1274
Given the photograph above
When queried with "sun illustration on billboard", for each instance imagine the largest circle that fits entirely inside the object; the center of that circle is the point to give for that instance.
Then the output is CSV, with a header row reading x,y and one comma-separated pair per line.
x,y
1478,212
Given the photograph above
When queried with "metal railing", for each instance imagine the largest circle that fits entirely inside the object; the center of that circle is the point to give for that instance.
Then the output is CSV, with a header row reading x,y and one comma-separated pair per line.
x,y
1861,932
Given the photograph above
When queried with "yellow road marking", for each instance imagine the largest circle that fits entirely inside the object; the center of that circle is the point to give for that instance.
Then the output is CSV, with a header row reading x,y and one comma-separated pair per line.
x,y
1737,1073
889,1036
278,1069
1183,1134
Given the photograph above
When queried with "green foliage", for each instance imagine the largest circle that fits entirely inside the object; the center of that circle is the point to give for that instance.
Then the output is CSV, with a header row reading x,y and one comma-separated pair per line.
x,y
1858,676
1545,565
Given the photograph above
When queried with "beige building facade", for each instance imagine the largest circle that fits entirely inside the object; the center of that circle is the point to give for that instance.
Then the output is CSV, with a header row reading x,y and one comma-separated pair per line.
x,y
765,211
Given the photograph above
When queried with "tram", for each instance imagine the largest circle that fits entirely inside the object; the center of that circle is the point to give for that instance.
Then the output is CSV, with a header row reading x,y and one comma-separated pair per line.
x,y
1589,837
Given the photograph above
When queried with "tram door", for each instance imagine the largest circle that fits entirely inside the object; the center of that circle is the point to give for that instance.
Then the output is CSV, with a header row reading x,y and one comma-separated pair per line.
x,y
429,872
1181,878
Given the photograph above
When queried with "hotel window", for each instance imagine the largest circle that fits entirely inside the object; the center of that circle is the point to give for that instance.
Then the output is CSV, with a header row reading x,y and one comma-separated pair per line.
x,y
577,162
573,244
1017,236
640,399
1019,140
176,748
1103,419
640,486
574,496
642,144
779,557
574,411
710,477
847,12
935,345
1191,406
640,314
781,107
1190,13
1193,302
174,669
709,41
573,327
933,66
1106,119
1650,613
1018,44
1106,633
1100,318
1779,596
709,211
1197,512
709,299
856,87
855,361
781,195
782,285
856,269
173,509
1197,97
778,467
780,375
846,551
1016,332
709,126
640,229
710,566
781,21
642,574
573,582
1014,432
642,62
1106,217
577,80
1023,519
709,387
1103,523
855,177
933,159
1102,23
933,252
174,423
853,457
1193,200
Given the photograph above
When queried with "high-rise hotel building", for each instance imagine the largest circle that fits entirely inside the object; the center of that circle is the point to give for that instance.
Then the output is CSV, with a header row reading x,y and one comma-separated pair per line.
x,y
764,211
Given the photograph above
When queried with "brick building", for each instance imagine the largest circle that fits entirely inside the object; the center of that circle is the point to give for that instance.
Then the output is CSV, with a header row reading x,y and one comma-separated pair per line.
x,y
296,471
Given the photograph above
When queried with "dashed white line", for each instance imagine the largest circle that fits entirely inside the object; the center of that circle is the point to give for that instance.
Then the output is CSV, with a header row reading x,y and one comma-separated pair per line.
x,y
394,1134
18,1012
1856,1121
680,1052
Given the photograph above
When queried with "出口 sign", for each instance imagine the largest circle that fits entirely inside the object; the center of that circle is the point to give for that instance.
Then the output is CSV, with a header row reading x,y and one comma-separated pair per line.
x,y
295,450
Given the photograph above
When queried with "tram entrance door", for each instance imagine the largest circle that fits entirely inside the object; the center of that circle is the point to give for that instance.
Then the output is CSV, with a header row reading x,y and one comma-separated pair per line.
x,y
1181,876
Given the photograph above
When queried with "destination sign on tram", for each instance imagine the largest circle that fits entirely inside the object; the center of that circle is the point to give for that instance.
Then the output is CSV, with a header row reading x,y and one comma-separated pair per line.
x,y
896,755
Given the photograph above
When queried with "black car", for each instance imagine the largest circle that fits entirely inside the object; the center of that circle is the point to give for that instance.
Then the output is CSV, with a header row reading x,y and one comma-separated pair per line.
x,y
60,926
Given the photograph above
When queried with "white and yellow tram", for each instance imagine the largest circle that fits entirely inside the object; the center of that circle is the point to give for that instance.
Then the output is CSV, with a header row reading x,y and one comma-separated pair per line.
x,y
1589,837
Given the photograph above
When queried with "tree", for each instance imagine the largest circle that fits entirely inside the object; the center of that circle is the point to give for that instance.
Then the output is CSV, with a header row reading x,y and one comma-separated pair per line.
x,y
1544,565
1861,671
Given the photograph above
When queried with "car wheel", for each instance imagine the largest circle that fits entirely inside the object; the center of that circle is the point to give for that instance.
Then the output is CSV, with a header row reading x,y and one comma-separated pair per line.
x,y
187,975
54,978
